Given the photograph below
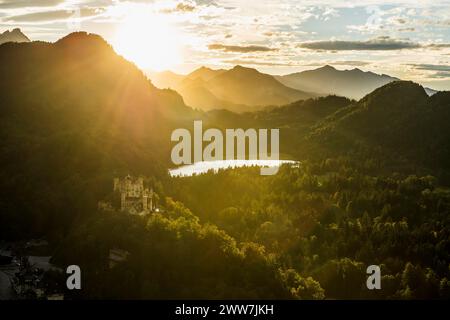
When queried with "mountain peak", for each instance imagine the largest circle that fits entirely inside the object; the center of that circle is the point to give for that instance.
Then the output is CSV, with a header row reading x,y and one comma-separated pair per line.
x,y
327,67
84,43
204,73
16,35
241,69
402,85
81,36
405,93
202,69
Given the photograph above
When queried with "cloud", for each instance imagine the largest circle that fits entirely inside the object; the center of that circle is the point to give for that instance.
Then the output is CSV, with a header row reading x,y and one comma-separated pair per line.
x,y
431,67
41,16
350,63
185,7
439,45
381,43
260,63
206,2
353,63
181,7
440,75
439,70
55,15
241,49
13,4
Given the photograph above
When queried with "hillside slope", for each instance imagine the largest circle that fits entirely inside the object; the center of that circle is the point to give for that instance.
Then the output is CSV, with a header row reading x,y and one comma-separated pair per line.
x,y
399,120
73,114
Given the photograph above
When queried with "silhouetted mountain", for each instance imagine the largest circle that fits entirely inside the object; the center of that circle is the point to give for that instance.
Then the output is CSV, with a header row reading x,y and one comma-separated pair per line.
x,y
195,92
399,119
294,120
166,79
327,80
193,89
304,113
15,35
73,114
169,79
204,73
251,87
239,89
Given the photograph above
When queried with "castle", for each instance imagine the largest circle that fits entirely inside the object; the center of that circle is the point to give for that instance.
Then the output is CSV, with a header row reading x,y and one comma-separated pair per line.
x,y
134,198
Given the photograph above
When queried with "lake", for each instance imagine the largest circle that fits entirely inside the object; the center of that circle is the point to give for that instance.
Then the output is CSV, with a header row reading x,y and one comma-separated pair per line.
x,y
205,166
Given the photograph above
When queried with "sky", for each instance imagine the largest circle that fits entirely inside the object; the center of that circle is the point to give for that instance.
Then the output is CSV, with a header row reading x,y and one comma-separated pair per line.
x,y
402,38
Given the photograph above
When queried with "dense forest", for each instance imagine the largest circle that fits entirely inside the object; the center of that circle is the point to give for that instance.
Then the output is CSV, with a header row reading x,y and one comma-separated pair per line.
x,y
371,187
328,220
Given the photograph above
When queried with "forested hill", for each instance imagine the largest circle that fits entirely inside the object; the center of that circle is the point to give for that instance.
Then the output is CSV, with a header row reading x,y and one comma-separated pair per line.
x,y
79,86
396,121
72,114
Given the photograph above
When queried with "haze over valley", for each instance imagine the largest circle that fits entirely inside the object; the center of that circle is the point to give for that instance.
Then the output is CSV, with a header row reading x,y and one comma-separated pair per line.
x,y
209,89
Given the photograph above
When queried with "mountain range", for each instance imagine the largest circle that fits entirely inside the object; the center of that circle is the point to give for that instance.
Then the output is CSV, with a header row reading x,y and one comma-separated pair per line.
x,y
16,35
326,80
94,113
239,89
203,87
353,84
108,111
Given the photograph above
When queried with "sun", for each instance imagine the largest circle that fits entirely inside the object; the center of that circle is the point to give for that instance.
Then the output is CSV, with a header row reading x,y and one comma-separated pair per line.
x,y
148,40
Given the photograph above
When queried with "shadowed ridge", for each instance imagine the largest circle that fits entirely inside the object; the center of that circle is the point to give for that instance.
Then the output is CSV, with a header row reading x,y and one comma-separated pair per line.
x,y
204,73
440,99
396,94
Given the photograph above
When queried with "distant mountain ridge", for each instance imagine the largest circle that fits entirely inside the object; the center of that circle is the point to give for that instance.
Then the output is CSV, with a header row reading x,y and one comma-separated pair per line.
x,y
205,73
239,89
353,84
208,89
251,87
16,35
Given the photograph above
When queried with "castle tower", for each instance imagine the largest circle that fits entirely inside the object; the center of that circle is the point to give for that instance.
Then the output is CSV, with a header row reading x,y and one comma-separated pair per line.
x,y
133,196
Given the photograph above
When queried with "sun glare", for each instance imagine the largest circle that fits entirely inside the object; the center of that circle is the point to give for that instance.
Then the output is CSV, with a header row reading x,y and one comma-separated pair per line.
x,y
148,40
